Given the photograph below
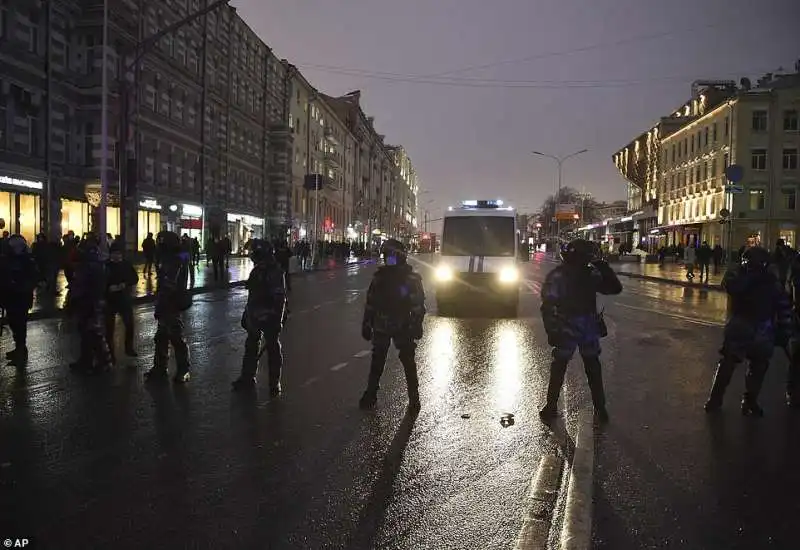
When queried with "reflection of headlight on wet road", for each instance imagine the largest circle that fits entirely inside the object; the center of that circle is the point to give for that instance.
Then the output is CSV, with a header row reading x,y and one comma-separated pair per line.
x,y
509,275
444,273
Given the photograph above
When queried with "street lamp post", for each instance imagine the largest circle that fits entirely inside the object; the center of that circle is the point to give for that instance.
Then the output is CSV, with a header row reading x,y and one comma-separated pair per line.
x,y
142,47
560,161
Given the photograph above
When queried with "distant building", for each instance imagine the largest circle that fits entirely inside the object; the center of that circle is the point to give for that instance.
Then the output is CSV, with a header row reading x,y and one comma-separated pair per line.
x,y
756,128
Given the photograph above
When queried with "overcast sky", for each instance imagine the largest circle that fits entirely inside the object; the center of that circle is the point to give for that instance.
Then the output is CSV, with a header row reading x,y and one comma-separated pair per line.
x,y
520,75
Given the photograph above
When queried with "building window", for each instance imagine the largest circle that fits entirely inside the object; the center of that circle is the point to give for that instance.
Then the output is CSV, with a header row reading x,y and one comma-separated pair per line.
x,y
705,136
714,132
790,159
759,121
757,201
759,159
790,123
727,126
788,198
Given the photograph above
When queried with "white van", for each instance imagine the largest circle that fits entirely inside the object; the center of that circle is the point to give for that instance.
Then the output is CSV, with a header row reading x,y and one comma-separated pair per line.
x,y
478,256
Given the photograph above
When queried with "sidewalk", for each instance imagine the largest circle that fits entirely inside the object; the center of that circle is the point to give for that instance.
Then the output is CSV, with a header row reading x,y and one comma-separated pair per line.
x,y
238,270
671,273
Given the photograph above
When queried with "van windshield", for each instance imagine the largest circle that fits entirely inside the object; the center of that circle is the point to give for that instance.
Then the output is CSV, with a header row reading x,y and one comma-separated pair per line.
x,y
478,236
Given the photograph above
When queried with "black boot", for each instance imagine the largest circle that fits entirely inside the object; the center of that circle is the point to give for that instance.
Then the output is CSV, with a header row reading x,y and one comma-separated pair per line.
x,y
594,376
753,381
558,368
18,354
368,399
722,378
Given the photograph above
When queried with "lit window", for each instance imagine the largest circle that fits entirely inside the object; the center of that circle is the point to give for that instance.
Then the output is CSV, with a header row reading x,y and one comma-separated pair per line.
x,y
757,200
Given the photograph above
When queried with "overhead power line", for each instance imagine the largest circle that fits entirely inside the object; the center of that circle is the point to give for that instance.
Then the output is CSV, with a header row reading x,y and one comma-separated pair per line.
x,y
543,55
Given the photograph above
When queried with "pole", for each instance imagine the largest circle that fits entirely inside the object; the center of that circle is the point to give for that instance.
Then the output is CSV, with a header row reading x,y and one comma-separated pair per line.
x,y
314,250
558,200
50,209
101,218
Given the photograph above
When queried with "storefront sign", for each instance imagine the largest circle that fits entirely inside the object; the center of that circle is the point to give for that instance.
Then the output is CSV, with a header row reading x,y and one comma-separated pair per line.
x,y
191,210
5,180
244,218
150,204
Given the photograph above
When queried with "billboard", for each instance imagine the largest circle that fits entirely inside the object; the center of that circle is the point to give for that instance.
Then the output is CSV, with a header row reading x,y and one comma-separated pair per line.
x,y
566,211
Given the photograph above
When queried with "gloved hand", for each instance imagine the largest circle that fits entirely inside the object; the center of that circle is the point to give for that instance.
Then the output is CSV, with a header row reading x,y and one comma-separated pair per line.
x,y
366,332
554,338
415,332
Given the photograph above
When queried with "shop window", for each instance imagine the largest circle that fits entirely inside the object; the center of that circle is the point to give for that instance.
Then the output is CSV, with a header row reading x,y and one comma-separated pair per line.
x,y
148,222
788,198
788,236
29,222
757,199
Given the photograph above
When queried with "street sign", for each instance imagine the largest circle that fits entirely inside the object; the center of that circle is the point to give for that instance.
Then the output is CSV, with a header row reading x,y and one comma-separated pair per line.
x,y
734,189
734,173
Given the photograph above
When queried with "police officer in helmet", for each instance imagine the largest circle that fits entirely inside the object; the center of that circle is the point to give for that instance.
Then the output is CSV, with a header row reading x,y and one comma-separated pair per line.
x,y
394,311
760,318
172,299
17,280
263,317
571,320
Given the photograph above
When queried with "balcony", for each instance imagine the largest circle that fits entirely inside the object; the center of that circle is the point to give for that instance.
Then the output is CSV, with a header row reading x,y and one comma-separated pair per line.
x,y
332,160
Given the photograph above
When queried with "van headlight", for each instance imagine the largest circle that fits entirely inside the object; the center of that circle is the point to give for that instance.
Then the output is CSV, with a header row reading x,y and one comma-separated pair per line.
x,y
444,273
509,275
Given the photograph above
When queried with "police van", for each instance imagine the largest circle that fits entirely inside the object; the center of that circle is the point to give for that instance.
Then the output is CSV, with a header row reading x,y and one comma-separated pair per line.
x,y
478,257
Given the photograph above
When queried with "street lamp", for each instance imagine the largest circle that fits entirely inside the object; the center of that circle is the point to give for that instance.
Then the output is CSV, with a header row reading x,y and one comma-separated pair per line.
x,y
560,161
142,47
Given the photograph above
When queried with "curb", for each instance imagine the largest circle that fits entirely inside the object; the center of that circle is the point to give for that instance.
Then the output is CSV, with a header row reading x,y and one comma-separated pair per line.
x,y
540,504
674,282
576,533
39,315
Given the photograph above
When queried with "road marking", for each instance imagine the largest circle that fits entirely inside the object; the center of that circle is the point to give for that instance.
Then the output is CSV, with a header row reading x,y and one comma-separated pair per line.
x,y
340,366
540,504
576,533
316,307
673,315
363,353
309,381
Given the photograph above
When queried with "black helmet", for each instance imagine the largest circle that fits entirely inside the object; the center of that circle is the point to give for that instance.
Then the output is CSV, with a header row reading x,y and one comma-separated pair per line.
x,y
17,245
578,252
89,249
168,241
756,257
260,250
392,248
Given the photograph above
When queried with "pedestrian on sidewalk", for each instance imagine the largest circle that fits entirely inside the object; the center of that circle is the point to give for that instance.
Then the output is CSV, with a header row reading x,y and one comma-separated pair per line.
x,y
149,251
782,259
571,320
761,318
718,255
704,254
689,260
18,276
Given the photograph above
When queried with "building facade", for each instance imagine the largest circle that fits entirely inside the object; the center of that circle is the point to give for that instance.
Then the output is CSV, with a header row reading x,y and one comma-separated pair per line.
x,y
189,120
404,224
755,128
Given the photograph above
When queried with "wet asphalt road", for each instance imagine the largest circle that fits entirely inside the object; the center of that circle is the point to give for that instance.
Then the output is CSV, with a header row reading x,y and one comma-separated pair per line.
x,y
110,462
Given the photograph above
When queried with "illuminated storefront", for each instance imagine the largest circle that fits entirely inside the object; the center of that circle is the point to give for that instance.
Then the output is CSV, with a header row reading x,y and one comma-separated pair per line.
x,y
20,210
242,228
191,221
76,216
149,220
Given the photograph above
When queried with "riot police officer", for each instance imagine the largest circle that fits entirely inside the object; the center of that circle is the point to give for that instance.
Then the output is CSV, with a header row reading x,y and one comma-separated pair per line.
x,y
18,280
263,317
760,319
172,299
87,303
571,320
394,311
121,278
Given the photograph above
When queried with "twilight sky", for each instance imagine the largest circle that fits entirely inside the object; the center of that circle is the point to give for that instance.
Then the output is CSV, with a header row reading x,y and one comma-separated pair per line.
x,y
471,87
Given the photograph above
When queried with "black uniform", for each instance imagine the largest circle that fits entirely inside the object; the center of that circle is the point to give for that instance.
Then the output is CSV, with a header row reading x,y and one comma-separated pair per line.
x,y
172,299
18,280
87,303
121,278
760,318
263,317
571,320
394,311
